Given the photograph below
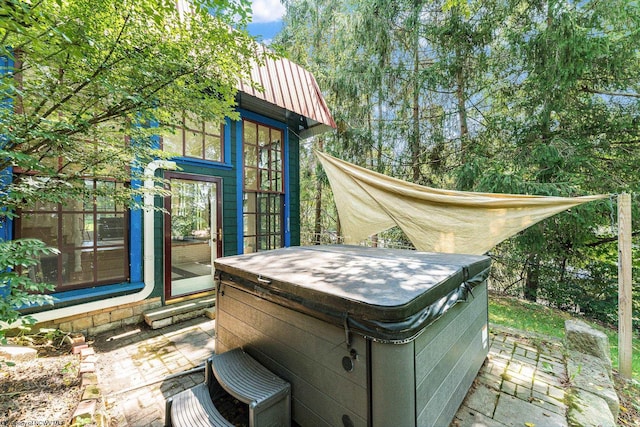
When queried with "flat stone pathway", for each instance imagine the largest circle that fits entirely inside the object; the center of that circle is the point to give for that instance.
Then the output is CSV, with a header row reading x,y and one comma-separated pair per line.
x,y
520,384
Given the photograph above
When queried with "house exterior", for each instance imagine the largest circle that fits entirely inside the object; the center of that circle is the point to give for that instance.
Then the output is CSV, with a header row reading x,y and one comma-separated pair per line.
x,y
235,190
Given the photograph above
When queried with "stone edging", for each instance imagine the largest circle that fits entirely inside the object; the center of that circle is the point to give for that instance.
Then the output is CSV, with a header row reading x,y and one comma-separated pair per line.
x,y
89,409
593,400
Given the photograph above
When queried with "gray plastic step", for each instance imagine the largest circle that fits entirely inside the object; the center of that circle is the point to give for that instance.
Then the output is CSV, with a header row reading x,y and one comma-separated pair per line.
x,y
193,408
267,395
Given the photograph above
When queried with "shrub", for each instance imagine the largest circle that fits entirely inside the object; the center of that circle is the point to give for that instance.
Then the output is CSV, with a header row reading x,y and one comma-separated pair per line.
x,y
18,288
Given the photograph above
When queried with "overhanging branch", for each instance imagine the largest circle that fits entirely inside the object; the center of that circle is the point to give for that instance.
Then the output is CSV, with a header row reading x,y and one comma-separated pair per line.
x,y
608,93
609,240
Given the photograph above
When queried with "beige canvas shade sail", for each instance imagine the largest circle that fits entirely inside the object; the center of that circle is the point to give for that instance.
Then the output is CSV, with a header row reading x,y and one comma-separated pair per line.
x,y
434,220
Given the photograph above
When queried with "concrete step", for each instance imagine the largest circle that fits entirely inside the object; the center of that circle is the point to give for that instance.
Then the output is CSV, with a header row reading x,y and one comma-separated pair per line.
x,y
174,313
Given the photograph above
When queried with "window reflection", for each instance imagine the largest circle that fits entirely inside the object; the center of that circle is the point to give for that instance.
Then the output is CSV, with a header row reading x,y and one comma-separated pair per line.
x,y
264,188
195,138
91,236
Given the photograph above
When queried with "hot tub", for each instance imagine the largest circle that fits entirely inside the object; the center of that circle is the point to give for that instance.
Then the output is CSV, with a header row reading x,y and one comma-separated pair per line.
x,y
365,336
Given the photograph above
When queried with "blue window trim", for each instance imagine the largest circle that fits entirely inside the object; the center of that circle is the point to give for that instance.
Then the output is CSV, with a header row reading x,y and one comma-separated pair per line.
x,y
199,162
287,191
135,221
80,296
6,223
135,238
6,176
249,115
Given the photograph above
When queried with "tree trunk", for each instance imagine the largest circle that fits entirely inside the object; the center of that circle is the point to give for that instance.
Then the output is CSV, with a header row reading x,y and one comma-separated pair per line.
x,y
317,227
462,109
415,134
532,279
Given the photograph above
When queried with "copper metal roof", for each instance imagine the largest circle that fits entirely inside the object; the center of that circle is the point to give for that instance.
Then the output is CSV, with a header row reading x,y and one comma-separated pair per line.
x,y
292,88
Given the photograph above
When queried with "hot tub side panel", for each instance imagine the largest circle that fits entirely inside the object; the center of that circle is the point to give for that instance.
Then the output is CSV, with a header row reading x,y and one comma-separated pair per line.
x,y
423,382
303,350
393,399
448,356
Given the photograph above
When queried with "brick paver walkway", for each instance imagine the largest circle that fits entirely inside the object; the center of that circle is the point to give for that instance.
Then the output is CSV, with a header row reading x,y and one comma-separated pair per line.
x,y
521,383
137,355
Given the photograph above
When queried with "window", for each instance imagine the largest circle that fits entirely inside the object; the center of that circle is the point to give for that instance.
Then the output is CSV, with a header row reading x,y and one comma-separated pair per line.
x,y
90,235
263,205
196,139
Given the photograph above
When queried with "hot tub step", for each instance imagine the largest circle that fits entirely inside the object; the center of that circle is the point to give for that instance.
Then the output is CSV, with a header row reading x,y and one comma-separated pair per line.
x,y
194,408
267,395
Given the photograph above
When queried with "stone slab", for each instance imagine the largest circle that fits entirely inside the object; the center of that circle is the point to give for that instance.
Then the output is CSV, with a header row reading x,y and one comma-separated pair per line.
x,y
589,410
88,378
210,313
467,417
91,392
86,408
74,338
86,367
84,352
91,359
178,309
77,348
482,399
188,315
591,374
157,324
582,338
514,412
17,353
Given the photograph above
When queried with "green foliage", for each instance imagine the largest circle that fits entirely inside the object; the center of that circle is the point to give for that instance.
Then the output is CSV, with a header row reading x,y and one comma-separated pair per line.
x,y
527,316
562,124
527,97
88,81
17,287
87,73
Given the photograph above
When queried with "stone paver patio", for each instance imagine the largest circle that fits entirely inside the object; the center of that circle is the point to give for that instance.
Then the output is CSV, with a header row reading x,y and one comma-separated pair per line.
x,y
520,384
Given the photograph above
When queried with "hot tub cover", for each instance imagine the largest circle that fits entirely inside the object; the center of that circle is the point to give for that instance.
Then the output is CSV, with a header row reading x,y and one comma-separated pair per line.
x,y
387,295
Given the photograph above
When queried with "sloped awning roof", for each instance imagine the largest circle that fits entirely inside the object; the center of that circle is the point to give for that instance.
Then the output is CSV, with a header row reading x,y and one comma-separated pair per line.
x,y
293,89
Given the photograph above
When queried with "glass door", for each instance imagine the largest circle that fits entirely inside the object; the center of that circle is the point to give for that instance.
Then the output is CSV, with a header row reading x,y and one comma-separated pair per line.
x,y
192,233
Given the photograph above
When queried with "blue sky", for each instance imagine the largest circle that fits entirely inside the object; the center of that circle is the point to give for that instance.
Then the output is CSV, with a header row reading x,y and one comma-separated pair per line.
x,y
267,19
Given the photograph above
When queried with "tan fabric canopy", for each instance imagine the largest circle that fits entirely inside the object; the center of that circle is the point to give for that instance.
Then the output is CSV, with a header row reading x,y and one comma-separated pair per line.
x,y
434,220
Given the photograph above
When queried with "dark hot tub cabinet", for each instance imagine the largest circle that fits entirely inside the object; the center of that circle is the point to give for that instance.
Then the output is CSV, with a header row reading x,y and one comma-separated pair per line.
x,y
365,336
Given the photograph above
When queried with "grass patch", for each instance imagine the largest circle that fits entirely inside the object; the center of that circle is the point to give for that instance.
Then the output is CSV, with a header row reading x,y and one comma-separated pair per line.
x,y
532,317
